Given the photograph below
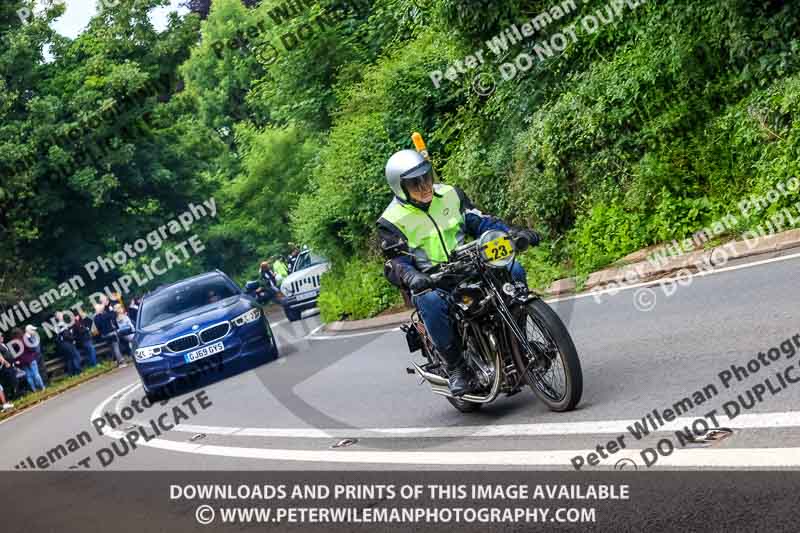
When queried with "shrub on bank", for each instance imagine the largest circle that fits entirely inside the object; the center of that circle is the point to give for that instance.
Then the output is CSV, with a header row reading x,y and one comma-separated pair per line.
x,y
356,289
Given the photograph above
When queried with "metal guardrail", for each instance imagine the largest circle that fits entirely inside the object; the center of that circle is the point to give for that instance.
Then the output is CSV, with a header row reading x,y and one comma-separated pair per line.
x,y
55,365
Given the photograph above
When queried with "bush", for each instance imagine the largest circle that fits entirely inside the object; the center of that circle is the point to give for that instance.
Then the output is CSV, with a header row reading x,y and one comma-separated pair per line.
x,y
355,289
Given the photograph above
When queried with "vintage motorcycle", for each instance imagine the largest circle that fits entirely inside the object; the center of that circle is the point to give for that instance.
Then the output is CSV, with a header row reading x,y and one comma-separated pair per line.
x,y
509,336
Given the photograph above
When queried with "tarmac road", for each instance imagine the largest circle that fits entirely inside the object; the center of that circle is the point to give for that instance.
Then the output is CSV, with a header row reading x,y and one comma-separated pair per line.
x,y
288,414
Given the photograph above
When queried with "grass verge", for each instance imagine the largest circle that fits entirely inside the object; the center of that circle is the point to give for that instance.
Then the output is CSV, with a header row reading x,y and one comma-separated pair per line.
x,y
56,387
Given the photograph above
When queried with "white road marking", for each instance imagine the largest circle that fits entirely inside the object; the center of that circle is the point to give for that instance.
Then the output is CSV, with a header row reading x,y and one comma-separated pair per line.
x,y
626,287
788,419
314,331
130,391
691,457
350,335
615,291
729,457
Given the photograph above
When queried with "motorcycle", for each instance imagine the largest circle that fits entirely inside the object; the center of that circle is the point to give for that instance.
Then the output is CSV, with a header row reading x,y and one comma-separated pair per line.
x,y
509,336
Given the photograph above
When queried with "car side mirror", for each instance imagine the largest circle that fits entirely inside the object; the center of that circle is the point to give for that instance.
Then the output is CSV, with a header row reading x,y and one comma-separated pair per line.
x,y
251,287
126,330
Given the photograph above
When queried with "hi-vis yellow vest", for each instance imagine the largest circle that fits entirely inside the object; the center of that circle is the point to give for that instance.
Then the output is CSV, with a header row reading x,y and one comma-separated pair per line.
x,y
434,234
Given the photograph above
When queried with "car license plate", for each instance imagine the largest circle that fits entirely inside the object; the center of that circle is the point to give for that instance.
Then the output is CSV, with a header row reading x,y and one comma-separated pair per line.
x,y
204,352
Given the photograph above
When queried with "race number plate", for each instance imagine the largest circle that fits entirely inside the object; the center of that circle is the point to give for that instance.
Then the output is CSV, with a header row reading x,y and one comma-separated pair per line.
x,y
499,248
204,352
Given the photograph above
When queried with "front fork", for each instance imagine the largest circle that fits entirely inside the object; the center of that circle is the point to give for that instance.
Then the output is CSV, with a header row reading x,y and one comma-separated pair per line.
x,y
538,359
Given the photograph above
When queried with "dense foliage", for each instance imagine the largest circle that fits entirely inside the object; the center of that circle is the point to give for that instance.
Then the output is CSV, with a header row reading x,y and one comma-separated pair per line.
x,y
645,130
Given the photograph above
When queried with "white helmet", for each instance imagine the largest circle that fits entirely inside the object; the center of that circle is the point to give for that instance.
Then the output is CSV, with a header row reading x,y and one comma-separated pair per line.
x,y
406,165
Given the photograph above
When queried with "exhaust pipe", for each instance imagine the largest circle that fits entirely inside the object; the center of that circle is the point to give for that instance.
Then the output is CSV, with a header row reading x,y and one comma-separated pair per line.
x,y
440,386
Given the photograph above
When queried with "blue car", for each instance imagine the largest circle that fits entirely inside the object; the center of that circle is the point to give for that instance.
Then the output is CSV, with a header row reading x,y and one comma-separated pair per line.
x,y
202,322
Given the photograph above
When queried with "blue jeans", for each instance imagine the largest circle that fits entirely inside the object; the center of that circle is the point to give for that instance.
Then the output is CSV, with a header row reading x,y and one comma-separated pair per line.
x,y
72,358
113,340
91,354
434,310
33,377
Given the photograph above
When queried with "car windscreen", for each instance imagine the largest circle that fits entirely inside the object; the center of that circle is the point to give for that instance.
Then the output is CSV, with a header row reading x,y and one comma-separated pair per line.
x,y
184,298
307,260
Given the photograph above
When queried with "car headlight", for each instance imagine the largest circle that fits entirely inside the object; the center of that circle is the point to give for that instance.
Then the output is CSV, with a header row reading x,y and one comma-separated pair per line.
x,y
246,318
147,352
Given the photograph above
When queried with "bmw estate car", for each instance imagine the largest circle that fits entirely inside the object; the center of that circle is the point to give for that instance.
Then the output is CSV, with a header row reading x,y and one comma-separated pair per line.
x,y
184,328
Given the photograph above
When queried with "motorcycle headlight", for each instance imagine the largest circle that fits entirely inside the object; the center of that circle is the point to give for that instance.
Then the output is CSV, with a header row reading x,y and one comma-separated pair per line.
x,y
497,249
147,352
246,318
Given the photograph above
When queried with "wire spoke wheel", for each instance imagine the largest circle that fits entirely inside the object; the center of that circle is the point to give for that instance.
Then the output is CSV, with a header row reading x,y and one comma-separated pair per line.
x,y
552,368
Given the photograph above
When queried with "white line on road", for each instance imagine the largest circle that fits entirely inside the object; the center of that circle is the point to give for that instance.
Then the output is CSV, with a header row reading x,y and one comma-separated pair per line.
x,y
625,287
682,458
349,335
611,291
603,427
705,458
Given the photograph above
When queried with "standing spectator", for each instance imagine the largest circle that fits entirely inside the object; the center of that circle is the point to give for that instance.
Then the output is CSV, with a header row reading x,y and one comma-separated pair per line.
x,y
27,361
35,342
293,258
105,320
124,323
280,269
82,332
6,405
269,284
65,345
133,310
8,371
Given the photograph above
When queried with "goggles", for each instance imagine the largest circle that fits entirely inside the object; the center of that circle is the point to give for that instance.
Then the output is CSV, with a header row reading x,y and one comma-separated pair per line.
x,y
420,182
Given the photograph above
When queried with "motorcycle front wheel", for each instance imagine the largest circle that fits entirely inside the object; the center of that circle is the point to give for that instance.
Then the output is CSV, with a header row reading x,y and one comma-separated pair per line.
x,y
556,377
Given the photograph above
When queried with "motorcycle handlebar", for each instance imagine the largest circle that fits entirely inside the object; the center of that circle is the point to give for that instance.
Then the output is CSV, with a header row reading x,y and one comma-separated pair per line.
x,y
521,242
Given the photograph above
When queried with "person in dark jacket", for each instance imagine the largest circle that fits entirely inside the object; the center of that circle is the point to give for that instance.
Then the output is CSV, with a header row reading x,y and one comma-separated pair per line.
x,y
105,320
419,229
26,360
65,345
82,333
8,371
133,310
269,283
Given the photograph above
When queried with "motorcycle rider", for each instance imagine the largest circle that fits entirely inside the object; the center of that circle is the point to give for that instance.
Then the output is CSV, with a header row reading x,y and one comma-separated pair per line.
x,y
422,225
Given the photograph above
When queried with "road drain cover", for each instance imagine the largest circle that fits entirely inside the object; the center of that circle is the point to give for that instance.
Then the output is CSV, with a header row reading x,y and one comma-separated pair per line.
x,y
344,443
198,436
713,435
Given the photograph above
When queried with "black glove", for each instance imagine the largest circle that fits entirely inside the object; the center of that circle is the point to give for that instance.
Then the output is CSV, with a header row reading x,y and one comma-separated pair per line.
x,y
530,237
533,237
417,281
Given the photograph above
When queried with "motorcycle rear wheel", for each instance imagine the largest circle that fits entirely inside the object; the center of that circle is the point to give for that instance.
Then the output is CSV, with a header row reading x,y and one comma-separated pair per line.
x,y
462,405
547,332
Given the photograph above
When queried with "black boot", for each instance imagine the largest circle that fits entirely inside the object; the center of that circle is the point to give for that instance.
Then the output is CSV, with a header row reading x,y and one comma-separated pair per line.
x,y
457,370
458,381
